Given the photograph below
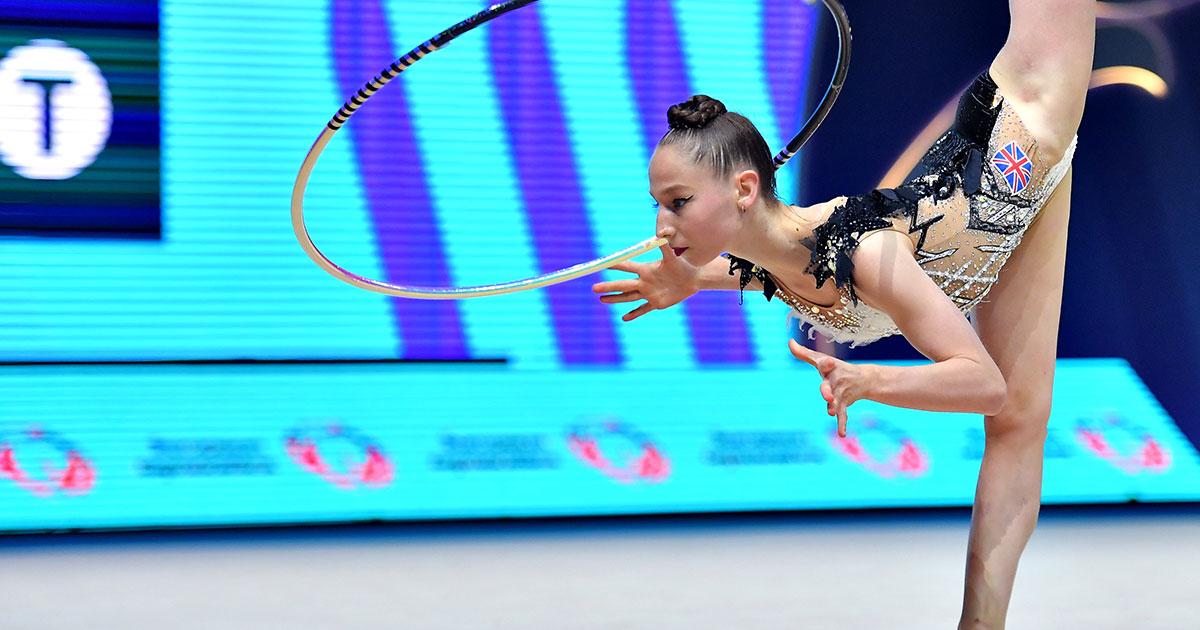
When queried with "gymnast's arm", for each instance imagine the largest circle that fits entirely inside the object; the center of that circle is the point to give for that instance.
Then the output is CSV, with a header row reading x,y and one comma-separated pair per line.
x,y
962,377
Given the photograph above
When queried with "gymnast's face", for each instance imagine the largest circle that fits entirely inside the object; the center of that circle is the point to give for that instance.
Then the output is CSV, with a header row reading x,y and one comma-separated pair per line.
x,y
697,211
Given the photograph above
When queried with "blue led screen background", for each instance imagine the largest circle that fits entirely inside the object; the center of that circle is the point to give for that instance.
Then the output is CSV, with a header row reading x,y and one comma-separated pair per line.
x,y
519,149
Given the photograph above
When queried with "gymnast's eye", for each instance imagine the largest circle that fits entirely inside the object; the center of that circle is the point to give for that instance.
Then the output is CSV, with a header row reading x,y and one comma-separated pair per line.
x,y
680,202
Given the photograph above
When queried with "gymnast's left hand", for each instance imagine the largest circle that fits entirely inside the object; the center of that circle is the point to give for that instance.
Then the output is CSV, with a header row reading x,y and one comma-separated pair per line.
x,y
842,382
661,284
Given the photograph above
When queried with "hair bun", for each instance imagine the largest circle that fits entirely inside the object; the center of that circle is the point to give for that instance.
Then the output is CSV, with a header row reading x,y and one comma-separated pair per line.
x,y
695,113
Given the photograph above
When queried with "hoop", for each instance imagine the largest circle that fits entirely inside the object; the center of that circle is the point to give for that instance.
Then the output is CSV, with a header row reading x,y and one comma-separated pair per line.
x,y
576,271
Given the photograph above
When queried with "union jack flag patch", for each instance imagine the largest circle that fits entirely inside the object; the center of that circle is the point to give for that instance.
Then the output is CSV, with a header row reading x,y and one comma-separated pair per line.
x,y
1014,166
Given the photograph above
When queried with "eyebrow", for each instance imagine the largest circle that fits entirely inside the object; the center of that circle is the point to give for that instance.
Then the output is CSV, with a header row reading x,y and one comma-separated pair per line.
x,y
668,189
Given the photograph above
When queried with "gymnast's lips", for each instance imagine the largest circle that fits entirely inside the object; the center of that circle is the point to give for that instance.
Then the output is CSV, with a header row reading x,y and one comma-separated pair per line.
x,y
678,251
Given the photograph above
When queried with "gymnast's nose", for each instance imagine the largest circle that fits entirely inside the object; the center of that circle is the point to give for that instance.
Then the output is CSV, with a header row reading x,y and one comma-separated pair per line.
x,y
661,227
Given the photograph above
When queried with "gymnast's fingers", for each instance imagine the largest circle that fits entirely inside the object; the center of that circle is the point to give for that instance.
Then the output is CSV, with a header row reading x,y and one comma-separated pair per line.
x,y
637,312
617,298
628,265
802,353
825,365
841,416
611,286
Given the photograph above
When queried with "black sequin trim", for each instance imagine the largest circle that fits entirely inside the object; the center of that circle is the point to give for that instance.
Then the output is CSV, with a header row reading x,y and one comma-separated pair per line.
x,y
750,271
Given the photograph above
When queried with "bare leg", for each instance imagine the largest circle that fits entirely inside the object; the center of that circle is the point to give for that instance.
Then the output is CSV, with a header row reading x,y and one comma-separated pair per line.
x,y
1019,327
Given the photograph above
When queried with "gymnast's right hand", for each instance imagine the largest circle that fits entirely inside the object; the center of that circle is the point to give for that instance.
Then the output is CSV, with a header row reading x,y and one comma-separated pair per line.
x,y
661,284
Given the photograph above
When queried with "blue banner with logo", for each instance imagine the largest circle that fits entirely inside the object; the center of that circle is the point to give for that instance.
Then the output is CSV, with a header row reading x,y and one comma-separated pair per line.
x,y
163,445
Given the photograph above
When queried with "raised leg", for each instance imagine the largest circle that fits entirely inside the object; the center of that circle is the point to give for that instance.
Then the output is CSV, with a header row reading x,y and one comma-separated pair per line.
x,y
1018,325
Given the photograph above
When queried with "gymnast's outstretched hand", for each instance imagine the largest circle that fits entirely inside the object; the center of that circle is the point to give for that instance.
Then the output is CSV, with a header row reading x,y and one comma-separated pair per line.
x,y
661,284
842,383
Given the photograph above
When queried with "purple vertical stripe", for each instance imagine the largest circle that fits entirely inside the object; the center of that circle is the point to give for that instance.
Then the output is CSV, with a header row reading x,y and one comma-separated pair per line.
x,y
394,181
659,74
550,183
787,33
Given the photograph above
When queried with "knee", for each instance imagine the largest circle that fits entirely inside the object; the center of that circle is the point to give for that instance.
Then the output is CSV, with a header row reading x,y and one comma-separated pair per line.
x,y
1024,414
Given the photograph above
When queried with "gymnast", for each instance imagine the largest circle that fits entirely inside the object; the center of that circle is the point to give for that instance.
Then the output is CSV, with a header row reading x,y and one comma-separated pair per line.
x,y
991,195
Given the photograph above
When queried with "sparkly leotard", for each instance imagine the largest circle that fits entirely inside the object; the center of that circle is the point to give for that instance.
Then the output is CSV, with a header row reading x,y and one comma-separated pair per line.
x,y
965,208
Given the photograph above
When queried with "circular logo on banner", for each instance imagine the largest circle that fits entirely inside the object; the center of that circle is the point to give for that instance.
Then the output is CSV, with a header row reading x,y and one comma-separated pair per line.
x,y
55,110
619,451
340,455
882,448
45,463
1122,443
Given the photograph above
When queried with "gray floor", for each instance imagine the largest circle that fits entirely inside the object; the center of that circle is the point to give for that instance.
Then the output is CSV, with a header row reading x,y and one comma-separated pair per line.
x,y
1088,568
